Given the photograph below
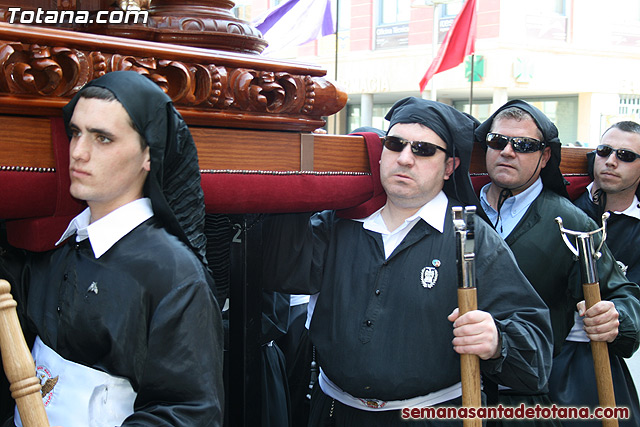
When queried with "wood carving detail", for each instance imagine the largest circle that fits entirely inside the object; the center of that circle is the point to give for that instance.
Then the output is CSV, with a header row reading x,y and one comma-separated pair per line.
x,y
31,69
42,70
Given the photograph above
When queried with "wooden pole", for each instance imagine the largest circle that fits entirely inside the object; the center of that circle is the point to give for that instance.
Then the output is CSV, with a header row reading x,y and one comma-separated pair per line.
x,y
588,256
469,363
464,224
18,363
473,60
601,363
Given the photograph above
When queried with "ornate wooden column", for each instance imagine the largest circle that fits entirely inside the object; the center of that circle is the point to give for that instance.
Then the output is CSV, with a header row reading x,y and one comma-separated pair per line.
x,y
204,23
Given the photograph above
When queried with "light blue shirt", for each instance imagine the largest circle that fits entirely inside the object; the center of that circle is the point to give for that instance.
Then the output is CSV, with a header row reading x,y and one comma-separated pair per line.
x,y
513,208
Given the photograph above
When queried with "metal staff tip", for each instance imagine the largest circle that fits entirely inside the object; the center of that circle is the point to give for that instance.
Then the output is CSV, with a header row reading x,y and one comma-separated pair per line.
x,y
585,250
464,224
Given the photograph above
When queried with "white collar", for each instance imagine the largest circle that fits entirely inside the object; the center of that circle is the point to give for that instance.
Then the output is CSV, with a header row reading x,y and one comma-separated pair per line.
x,y
633,210
108,230
433,213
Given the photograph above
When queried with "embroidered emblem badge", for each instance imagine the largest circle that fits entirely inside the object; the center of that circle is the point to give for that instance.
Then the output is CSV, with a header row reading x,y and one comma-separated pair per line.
x,y
47,382
429,277
374,403
436,263
93,287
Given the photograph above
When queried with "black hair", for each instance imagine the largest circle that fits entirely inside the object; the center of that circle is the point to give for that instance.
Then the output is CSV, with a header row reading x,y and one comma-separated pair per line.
x,y
625,126
97,92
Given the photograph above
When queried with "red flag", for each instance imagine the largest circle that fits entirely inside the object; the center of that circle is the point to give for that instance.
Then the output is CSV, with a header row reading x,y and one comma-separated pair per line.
x,y
458,43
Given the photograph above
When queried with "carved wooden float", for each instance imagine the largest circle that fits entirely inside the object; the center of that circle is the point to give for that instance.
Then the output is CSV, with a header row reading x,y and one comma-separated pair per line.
x,y
251,117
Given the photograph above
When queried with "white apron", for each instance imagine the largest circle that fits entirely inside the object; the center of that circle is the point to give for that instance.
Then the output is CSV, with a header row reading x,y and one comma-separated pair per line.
x,y
75,395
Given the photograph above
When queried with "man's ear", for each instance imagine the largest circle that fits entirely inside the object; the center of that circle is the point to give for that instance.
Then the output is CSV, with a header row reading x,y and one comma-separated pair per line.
x,y
451,165
147,160
546,155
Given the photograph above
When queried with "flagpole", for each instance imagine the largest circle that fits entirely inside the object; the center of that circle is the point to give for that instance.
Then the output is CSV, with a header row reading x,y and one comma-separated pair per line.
x,y
335,70
473,58
434,48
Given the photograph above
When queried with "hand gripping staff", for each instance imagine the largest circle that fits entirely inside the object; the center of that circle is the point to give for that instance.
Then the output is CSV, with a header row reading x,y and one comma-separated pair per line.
x,y
463,223
18,363
591,288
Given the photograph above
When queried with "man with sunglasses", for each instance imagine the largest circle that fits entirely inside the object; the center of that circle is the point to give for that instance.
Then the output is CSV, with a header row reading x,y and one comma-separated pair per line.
x,y
526,193
615,168
385,327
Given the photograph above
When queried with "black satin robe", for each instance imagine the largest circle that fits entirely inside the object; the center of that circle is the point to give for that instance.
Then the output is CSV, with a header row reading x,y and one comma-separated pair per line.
x,y
154,320
379,332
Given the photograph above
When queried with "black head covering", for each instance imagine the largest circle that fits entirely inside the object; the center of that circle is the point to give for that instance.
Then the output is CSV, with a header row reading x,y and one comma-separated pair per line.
x,y
173,185
456,129
361,129
551,175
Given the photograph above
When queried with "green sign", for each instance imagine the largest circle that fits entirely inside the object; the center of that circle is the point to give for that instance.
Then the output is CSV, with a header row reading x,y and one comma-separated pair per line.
x,y
478,68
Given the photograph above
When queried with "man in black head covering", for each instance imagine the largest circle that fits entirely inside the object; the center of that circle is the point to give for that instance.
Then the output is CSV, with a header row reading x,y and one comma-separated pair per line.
x,y
385,326
615,167
127,329
526,193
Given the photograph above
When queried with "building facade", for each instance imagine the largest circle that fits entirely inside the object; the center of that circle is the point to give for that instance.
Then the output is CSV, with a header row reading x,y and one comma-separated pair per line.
x,y
577,60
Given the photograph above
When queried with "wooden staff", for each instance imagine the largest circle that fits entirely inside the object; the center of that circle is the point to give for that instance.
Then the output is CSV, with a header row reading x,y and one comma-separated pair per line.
x,y
591,288
18,363
467,301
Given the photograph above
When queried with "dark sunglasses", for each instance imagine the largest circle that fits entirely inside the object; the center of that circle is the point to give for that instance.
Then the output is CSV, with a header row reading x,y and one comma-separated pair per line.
x,y
621,153
520,144
419,148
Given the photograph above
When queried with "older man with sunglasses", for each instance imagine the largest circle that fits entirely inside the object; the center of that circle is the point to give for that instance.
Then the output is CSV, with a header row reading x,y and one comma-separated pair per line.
x,y
615,168
526,193
385,326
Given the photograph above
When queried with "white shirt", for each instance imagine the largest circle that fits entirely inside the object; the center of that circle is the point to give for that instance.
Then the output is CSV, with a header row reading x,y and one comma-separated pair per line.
x,y
633,210
433,213
105,232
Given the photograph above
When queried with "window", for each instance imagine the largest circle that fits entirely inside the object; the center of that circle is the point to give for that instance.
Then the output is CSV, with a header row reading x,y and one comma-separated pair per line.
x,y
344,20
563,112
450,10
242,10
547,19
394,11
481,108
392,30
549,7
629,106
377,118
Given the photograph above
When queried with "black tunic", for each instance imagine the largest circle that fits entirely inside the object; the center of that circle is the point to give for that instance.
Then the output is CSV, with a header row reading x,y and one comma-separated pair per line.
x,y
623,236
154,320
555,272
379,332
573,380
